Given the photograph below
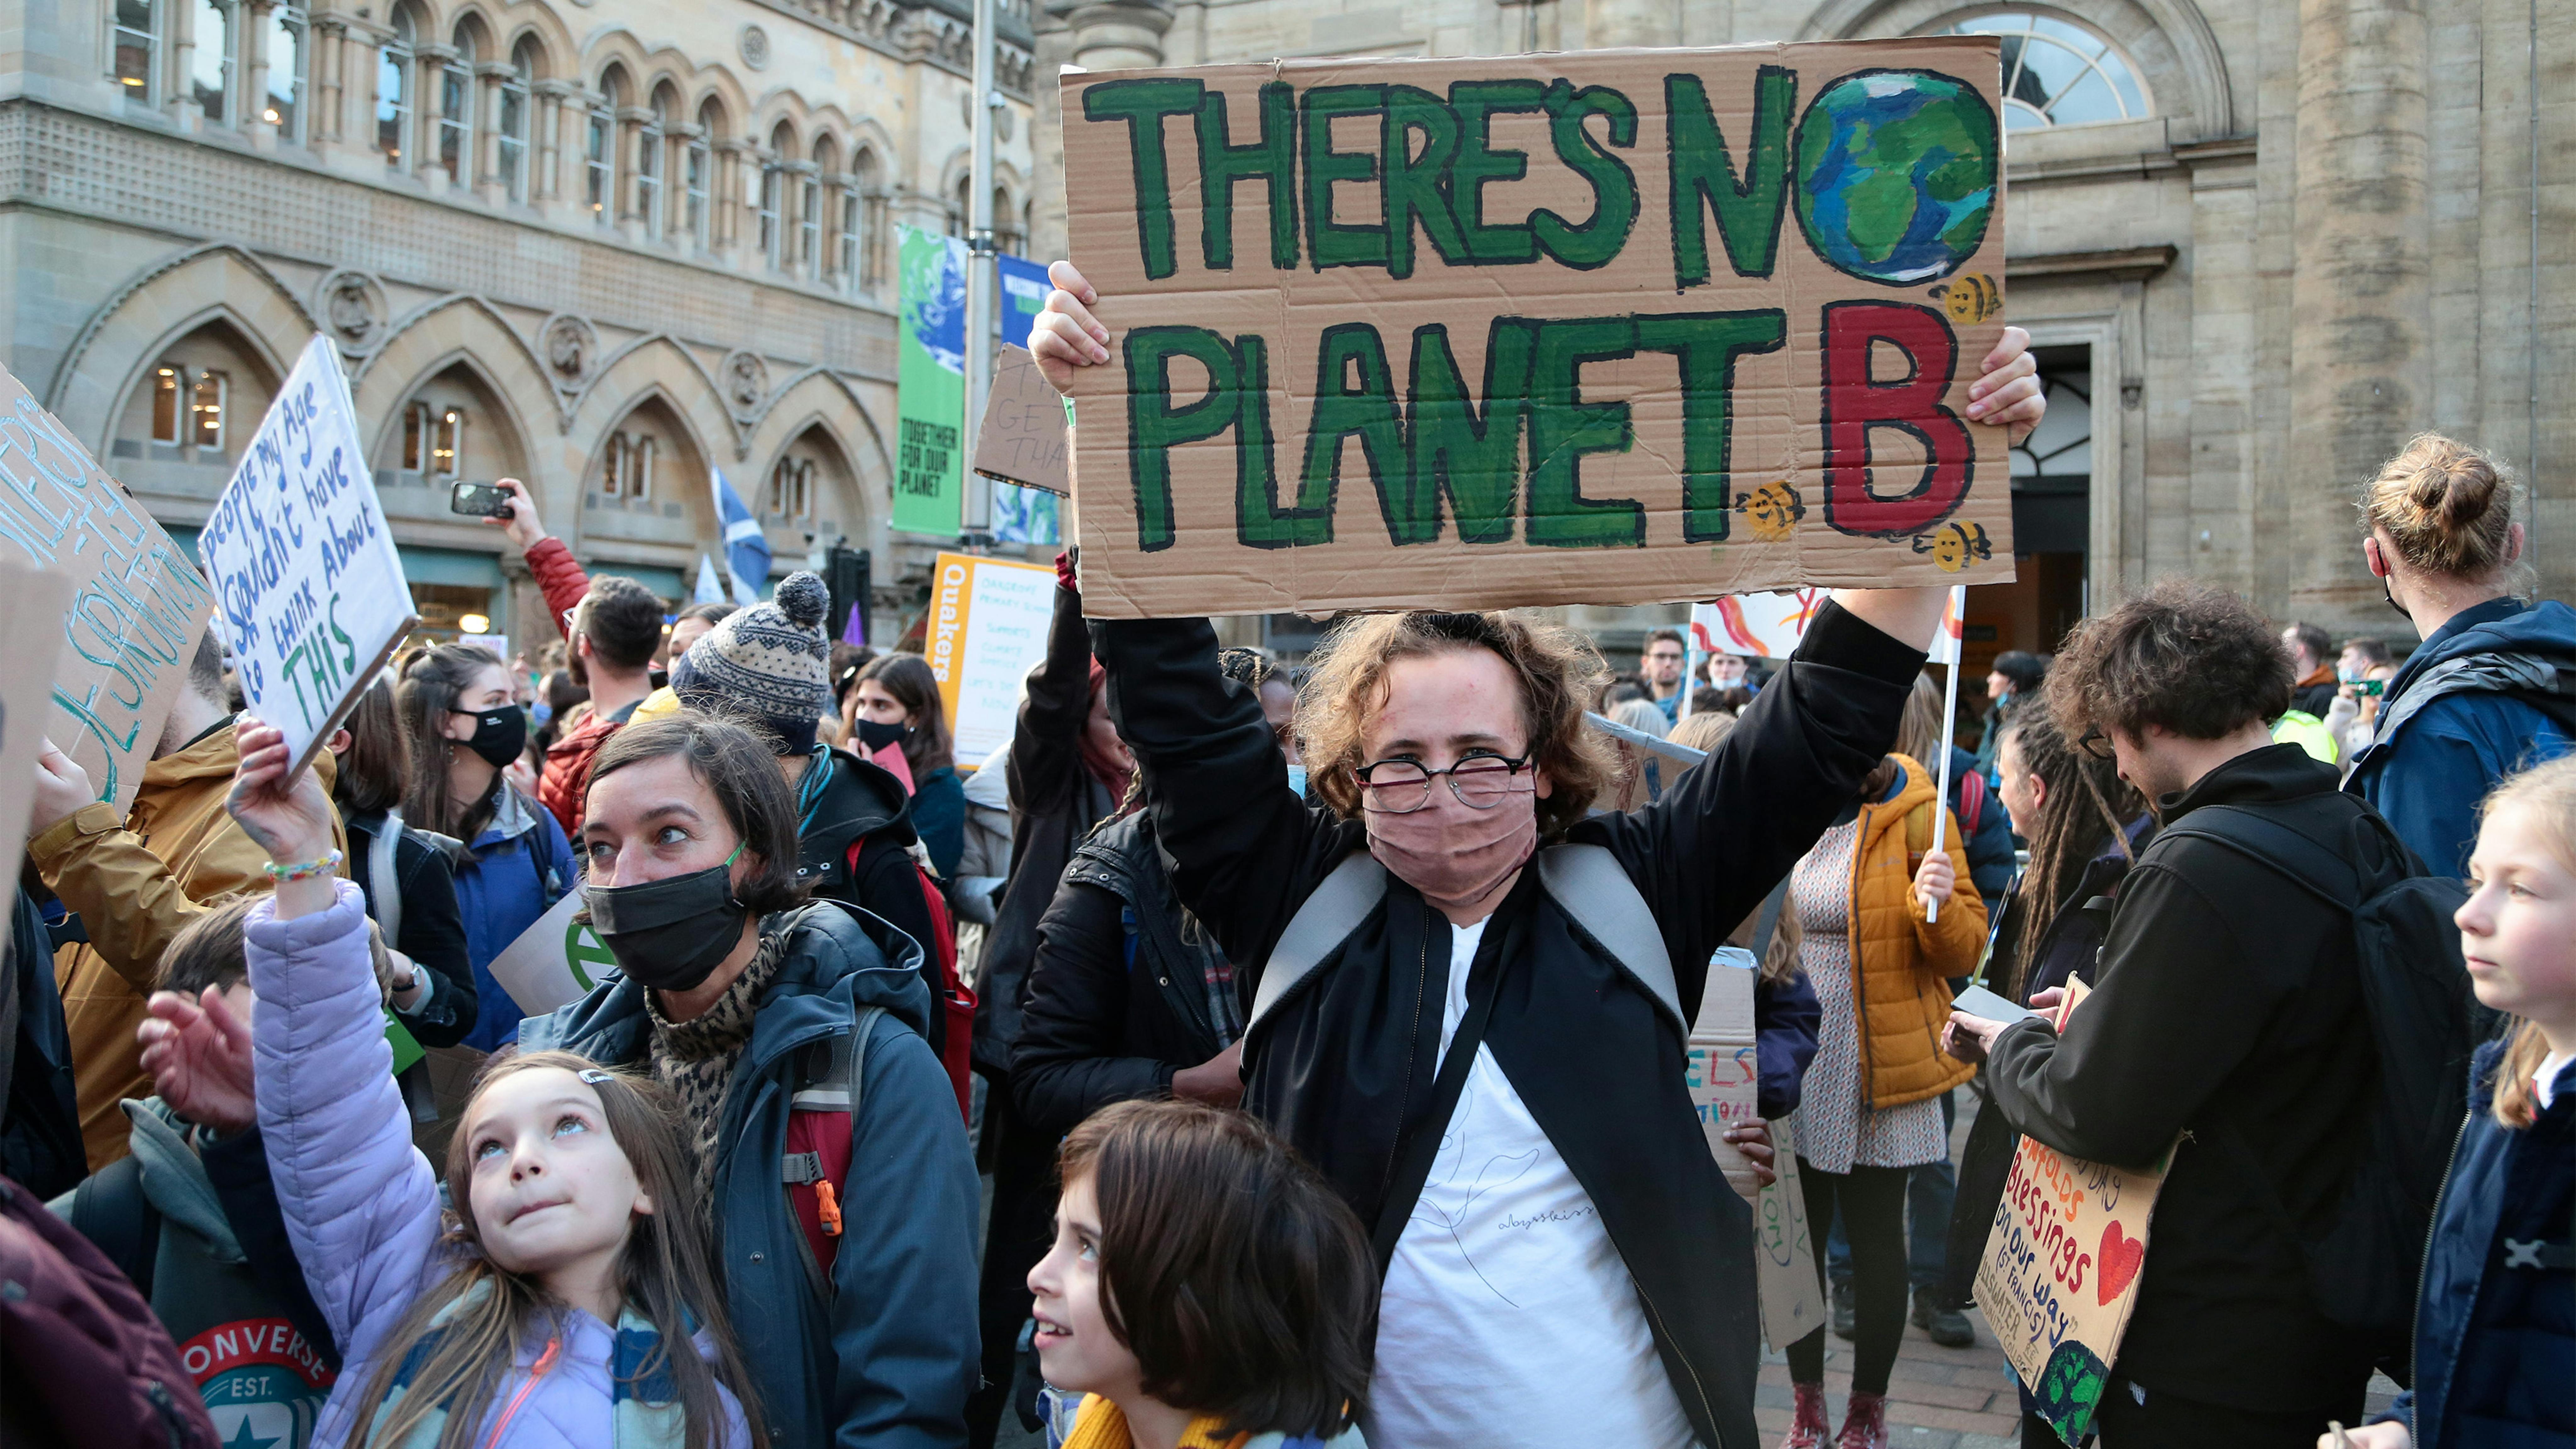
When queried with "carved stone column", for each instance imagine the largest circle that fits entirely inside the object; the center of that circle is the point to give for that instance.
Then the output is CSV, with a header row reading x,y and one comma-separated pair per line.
x,y
558,103
736,158
251,108
429,77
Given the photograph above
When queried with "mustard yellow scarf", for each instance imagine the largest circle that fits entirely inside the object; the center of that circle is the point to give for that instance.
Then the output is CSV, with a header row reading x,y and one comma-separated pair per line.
x,y
1100,1424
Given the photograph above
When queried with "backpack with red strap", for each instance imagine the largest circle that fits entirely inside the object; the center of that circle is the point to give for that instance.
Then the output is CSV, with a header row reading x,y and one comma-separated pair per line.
x,y
954,1000
815,1169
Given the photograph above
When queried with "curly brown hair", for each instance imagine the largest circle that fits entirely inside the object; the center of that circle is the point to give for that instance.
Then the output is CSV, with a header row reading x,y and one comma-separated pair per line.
x,y
1558,670
2185,656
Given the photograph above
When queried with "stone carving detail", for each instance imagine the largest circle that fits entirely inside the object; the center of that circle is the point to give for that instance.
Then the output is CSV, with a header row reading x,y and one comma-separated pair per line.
x,y
571,348
745,379
755,47
351,305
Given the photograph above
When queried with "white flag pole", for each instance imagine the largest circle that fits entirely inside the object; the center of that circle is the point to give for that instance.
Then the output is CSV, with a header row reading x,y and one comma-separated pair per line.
x,y
1949,726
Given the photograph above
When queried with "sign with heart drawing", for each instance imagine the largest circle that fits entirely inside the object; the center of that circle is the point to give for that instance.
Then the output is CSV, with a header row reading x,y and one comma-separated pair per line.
x,y
2060,1274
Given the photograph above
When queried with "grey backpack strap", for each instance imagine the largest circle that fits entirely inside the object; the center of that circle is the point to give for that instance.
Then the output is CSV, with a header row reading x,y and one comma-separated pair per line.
x,y
1320,926
1587,883
385,900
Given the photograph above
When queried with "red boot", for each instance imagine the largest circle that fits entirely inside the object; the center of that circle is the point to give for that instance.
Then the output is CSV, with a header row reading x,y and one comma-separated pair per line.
x,y
1809,1428
1864,1423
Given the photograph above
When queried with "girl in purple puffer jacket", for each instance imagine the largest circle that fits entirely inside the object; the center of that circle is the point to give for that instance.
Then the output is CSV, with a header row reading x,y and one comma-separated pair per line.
x,y
533,1316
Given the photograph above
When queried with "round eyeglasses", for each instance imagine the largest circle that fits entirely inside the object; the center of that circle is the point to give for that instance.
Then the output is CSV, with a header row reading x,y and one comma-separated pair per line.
x,y
1481,782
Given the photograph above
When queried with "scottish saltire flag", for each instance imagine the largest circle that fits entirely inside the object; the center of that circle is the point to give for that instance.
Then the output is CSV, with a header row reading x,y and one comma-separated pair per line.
x,y
710,590
746,547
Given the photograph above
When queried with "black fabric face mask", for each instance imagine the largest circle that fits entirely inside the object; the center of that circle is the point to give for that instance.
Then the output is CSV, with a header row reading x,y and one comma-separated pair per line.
x,y
499,734
671,934
876,736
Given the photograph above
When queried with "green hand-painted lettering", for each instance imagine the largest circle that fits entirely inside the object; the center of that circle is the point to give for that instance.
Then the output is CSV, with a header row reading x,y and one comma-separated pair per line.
x,y
1155,427
1143,104
1415,183
1330,243
1346,408
1474,461
1272,158
1563,428
1707,345
1704,177
1614,186
1476,104
1259,521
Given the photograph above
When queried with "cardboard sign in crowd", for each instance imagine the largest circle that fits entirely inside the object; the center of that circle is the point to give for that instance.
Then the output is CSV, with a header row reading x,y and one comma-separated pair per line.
x,y
1617,327
1724,1080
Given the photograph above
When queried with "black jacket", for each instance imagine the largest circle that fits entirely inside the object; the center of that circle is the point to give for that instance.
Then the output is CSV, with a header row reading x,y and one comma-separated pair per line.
x,y
862,804
1118,1001
2227,1001
433,930
1055,802
1344,1067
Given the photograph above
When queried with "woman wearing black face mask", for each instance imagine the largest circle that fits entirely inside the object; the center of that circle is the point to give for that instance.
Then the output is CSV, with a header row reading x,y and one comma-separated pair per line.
x,y
513,862
898,702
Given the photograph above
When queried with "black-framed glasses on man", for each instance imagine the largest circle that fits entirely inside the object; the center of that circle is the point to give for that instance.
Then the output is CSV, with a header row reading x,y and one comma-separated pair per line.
x,y
1481,782
2097,744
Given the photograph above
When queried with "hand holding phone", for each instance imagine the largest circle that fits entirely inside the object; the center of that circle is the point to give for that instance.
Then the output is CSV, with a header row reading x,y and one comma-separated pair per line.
x,y
478,500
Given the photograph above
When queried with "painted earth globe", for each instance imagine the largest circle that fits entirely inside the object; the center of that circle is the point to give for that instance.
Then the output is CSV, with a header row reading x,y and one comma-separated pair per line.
x,y
1896,174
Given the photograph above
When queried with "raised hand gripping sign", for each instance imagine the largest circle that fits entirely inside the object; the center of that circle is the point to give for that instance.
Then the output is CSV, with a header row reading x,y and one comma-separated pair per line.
x,y
1609,327
309,591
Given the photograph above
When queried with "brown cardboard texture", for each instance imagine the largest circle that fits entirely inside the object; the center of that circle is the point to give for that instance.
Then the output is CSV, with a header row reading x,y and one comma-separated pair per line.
x,y
26,679
1610,327
1024,438
137,606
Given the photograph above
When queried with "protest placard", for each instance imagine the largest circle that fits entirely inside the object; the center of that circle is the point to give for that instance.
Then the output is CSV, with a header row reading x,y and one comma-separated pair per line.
x,y
1723,1076
1608,327
1024,438
137,607
2060,1275
1784,1256
555,962
309,590
26,680
988,626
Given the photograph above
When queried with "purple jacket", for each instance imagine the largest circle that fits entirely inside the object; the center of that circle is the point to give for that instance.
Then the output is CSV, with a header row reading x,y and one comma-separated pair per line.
x,y
361,1203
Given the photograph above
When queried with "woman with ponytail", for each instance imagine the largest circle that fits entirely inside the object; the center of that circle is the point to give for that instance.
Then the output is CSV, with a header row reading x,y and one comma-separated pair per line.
x,y
2493,687
2495,1325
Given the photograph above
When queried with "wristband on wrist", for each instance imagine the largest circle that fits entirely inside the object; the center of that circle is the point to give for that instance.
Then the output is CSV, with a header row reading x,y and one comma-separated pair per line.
x,y
329,862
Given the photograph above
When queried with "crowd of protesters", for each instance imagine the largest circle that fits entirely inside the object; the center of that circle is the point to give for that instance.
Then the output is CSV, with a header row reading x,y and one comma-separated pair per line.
x,y
1317,1039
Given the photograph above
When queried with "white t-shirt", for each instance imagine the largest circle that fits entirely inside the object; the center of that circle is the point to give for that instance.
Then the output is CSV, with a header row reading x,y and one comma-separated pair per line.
x,y
2544,1083
1508,1318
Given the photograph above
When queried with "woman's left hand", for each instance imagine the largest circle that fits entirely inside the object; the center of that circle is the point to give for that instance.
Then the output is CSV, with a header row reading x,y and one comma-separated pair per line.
x,y
1752,1137
289,818
2008,393
1934,879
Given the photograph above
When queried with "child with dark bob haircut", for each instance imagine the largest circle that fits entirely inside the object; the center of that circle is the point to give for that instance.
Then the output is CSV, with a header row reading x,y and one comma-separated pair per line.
x,y
1207,1289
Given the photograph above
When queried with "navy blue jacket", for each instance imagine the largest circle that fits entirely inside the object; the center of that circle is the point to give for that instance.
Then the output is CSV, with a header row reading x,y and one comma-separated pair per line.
x,y
886,1358
2453,723
1990,840
2495,1336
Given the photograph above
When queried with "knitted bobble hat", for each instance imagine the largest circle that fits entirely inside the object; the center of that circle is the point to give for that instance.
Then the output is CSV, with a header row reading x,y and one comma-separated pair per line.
x,y
769,661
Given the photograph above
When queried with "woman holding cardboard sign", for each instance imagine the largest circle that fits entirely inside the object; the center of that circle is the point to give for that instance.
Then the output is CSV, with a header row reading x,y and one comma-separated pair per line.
x,y
1544,1200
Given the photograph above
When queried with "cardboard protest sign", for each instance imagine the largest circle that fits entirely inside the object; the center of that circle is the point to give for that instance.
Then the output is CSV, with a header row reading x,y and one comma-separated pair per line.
x,y
1602,327
137,607
26,683
555,962
2060,1275
309,590
1024,437
988,625
1724,1080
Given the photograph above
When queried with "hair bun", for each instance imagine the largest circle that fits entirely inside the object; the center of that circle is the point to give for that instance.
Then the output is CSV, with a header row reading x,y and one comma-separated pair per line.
x,y
804,599
2467,489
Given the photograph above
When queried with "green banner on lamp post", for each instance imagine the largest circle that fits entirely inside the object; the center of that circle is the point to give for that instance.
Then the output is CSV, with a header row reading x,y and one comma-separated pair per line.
x,y
930,376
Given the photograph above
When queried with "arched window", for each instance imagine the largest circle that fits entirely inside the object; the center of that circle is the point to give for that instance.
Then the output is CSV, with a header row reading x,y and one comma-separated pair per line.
x,y
853,236
138,49
698,173
2056,72
433,442
809,227
210,68
287,54
1006,231
629,467
209,390
599,146
456,110
167,385
516,117
791,488
773,197
958,205
393,91
649,146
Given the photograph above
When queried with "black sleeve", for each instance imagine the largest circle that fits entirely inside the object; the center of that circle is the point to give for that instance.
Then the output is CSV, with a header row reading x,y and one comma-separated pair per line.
x,y
433,934
1046,747
1069,1063
888,886
1706,854
238,1168
1246,850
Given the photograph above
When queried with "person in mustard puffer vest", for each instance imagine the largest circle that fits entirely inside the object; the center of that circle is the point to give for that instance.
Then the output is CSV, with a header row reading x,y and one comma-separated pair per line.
x,y
1870,1109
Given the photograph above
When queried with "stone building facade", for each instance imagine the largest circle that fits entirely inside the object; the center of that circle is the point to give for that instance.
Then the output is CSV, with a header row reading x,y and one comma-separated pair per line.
x,y
2258,243
598,245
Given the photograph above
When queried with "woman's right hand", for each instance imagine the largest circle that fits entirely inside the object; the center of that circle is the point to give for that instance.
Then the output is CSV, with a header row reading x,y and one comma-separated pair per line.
x,y
1067,336
2391,1435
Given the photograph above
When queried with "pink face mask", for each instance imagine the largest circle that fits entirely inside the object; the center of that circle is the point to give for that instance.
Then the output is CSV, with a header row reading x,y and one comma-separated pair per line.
x,y
1454,854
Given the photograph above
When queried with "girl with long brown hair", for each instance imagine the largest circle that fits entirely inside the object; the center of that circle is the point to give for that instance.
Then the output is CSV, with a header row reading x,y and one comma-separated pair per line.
x,y
567,1298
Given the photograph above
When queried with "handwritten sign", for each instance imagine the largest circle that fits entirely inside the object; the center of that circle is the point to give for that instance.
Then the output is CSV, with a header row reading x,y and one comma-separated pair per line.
x,y
1025,438
1724,1077
26,684
309,590
1612,327
137,607
2060,1275
989,619
555,962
